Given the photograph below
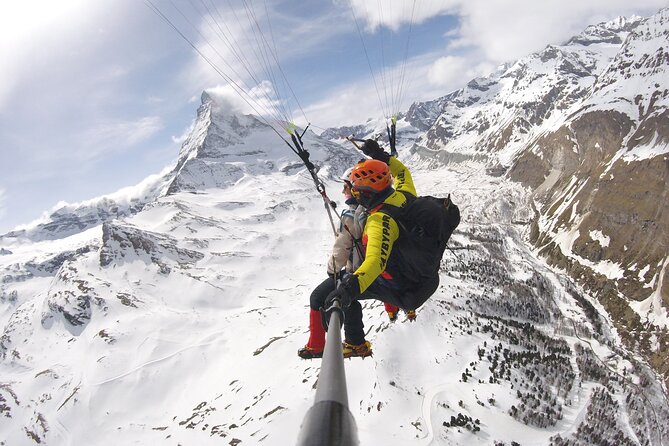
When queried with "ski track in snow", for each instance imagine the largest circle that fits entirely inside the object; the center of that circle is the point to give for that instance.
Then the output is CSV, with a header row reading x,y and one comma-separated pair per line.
x,y
151,363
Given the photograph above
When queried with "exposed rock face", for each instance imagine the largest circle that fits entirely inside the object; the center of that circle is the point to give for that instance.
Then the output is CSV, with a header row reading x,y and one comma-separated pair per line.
x,y
73,219
606,171
51,265
343,132
123,242
71,297
602,187
604,219
422,115
199,156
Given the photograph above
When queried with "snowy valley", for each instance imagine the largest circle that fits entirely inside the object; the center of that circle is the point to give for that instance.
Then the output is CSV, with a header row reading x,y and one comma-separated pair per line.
x,y
171,313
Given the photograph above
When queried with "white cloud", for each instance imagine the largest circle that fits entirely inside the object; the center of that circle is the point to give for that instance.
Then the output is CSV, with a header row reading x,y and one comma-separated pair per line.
x,y
447,70
258,100
505,31
184,135
396,13
356,102
350,105
248,58
500,31
29,30
117,136
487,34
453,72
428,77
3,198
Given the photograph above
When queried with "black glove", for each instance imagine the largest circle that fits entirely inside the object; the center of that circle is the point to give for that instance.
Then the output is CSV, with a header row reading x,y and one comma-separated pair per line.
x,y
339,274
348,289
371,149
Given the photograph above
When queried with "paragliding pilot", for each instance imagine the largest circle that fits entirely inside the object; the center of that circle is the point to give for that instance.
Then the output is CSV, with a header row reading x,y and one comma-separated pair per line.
x,y
383,187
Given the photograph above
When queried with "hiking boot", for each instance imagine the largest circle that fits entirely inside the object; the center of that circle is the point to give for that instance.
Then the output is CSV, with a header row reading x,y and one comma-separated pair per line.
x,y
307,352
392,315
361,350
411,315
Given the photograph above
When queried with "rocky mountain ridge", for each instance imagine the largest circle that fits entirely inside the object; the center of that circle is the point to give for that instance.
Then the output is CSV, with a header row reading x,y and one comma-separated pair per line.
x,y
585,126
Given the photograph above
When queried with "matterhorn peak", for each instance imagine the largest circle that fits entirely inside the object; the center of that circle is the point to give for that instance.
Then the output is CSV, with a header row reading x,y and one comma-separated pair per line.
x,y
224,146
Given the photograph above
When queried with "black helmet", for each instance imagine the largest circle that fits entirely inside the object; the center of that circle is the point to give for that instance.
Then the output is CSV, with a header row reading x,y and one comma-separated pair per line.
x,y
370,146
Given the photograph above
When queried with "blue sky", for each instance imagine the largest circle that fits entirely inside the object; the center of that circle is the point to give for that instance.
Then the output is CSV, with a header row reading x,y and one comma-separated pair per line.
x,y
95,96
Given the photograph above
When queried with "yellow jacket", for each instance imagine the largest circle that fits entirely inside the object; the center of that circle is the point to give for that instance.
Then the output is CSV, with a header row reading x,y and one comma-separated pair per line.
x,y
381,230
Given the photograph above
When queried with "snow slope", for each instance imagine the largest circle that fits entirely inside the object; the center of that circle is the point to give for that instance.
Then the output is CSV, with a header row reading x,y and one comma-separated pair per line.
x,y
176,319
180,325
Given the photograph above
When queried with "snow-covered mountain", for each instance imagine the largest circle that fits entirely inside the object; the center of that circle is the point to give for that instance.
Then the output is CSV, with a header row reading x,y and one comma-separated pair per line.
x,y
503,113
179,322
585,126
161,329
70,219
602,184
217,153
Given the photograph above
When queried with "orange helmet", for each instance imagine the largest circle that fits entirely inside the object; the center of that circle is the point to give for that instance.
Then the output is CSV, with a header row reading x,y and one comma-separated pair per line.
x,y
371,176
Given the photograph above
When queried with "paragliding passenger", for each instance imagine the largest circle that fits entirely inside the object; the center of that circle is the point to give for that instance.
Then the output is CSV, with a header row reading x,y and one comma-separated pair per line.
x,y
346,256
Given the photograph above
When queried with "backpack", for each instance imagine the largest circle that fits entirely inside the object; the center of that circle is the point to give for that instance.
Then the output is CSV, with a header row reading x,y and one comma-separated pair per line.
x,y
426,224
